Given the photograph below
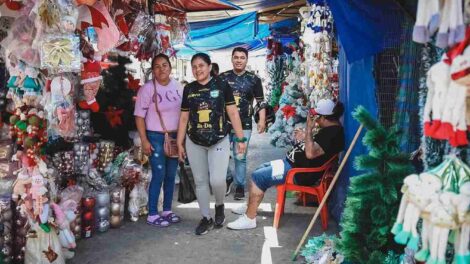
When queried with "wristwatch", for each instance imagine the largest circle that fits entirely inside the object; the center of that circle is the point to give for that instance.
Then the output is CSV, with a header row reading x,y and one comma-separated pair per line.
x,y
240,140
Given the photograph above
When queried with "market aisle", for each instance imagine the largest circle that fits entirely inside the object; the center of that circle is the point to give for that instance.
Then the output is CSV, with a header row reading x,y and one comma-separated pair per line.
x,y
138,243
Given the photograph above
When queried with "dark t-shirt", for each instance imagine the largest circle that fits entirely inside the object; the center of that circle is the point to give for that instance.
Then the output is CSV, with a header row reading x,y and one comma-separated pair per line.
x,y
206,106
246,88
330,139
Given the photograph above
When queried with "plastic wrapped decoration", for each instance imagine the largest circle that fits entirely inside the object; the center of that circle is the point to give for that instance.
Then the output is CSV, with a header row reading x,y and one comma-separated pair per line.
x,y
106,154
61,53
117,206
7,167
83,123
113,175
94,154
64,163
82,158
102,211
179,28
142,37
21,228
19,41
163,40
61,108
75,194
88,216
138,197
321,249
6,232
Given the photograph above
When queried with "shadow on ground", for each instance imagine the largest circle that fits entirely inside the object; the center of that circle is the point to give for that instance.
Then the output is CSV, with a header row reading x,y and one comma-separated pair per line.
x,y
138,243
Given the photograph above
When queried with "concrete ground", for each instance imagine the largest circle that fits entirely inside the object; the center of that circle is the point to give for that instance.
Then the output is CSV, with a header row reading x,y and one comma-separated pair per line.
x,y
139,243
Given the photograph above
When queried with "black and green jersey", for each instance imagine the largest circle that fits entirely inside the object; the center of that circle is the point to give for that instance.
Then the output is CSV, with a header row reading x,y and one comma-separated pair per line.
x,y
207,115
246,88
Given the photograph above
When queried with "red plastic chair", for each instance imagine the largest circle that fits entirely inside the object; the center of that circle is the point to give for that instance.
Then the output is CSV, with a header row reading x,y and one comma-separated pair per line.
x,y
318,191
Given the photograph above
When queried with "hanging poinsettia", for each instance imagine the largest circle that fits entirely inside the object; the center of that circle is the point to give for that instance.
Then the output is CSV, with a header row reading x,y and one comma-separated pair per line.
x,y
289,111
114,116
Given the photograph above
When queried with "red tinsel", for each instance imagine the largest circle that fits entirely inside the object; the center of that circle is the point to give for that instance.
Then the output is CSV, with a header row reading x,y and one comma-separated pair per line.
x,y
289,111
114,116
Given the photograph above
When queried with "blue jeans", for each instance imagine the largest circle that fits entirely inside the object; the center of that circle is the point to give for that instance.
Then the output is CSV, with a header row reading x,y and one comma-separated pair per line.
x,y
163,172
239,160
264,179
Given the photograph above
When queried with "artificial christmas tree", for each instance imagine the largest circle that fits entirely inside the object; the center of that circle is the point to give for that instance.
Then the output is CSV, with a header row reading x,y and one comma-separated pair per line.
x,y
374,197
292,111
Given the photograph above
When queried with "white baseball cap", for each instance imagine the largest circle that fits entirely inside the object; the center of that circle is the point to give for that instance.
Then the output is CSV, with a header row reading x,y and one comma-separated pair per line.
x,y
324,107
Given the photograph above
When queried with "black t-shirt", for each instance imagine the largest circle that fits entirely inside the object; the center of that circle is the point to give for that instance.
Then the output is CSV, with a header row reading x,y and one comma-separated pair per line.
x,y
246,88
206,106
330,139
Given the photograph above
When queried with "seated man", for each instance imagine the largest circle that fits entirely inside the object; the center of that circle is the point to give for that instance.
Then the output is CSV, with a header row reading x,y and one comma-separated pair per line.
x,y
312,152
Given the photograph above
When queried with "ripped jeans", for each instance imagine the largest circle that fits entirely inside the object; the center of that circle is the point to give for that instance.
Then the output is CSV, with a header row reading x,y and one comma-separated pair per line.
x,y
163,172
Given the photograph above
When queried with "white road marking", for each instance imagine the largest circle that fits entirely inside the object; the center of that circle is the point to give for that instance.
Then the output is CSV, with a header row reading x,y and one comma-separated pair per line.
x,y
265,207
270,241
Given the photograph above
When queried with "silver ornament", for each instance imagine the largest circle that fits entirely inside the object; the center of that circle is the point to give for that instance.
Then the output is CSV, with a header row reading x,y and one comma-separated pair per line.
x,y
103,226
103,212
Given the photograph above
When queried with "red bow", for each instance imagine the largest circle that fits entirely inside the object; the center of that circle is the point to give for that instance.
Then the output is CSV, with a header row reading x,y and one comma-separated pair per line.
x,y
289,111
114,116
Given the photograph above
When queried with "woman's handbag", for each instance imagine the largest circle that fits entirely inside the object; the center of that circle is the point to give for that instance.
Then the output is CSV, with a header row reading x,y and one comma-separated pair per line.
x,y
186,188
169,144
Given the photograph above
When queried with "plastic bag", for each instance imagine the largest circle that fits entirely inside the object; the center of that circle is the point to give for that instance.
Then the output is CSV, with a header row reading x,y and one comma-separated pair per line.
x,y
61,53
61,108
187,187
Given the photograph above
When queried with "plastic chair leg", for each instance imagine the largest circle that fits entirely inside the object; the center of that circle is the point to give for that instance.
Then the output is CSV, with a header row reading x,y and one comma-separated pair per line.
x,y
323,213
279,210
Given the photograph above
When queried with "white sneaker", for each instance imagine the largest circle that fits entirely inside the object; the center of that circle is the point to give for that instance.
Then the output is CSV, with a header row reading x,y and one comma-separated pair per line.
x,y
240,210
243,222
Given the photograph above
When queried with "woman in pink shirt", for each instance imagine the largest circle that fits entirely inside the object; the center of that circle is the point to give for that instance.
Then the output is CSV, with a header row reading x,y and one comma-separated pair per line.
x,y
165,92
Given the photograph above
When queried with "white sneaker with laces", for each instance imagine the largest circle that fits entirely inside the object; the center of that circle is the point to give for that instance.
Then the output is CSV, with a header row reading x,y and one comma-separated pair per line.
x,y
243,222
240,210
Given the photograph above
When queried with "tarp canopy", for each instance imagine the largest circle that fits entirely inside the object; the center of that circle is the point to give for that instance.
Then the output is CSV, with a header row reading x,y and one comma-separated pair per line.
x,y
243,30
168,6
268,11
365,26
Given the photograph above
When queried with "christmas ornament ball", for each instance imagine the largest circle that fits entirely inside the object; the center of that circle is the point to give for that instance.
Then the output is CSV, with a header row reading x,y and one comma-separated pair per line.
x,y
103,212
89,203
103,226
115,209
102,199
115,221
88,216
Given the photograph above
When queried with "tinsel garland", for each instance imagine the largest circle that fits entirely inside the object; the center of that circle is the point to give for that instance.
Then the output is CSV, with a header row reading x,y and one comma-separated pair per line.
x,y
433,150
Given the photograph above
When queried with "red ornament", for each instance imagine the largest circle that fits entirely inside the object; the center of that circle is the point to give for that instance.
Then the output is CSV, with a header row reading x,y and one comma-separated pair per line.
x,y
88,216
88,203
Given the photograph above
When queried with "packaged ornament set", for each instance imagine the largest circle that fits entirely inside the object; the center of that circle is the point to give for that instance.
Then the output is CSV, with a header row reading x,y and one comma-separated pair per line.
x,y
60,181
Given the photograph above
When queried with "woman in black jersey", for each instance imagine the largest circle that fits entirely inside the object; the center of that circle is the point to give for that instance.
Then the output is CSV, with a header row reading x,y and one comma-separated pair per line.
x,y
202,134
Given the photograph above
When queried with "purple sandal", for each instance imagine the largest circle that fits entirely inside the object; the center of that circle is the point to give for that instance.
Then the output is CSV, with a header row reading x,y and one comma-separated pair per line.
x,y
172,218
159,222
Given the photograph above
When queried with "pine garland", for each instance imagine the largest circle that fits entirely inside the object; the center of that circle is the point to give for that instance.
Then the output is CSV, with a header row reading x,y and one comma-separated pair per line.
x,y
373,197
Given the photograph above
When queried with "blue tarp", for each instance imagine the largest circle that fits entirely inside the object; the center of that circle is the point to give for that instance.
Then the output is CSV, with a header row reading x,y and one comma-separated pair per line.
x,y
365,26
357,87
242,30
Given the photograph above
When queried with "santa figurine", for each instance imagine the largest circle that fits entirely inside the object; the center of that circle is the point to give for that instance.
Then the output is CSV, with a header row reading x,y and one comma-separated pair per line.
x,y
91,80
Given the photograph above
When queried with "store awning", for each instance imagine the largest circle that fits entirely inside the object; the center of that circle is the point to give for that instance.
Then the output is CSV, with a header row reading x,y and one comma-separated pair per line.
x,y
168,6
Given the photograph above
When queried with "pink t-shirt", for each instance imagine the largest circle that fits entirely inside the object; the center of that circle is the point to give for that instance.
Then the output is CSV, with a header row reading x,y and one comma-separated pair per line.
x,y
169,104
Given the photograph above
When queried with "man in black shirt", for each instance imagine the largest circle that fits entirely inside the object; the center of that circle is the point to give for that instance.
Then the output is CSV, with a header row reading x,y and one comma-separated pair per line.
x,y
314,151
246,87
